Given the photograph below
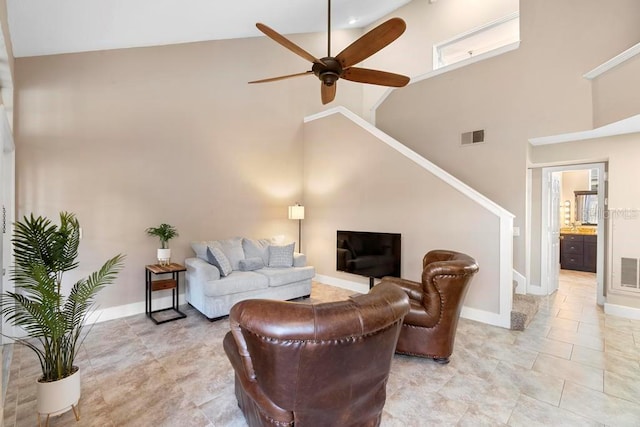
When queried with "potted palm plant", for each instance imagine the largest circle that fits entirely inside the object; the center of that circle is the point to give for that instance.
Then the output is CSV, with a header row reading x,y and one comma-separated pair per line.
x,y
54,323
164,232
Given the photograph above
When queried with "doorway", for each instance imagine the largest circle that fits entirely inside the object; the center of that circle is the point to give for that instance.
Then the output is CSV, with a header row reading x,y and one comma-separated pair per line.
x,y
573,200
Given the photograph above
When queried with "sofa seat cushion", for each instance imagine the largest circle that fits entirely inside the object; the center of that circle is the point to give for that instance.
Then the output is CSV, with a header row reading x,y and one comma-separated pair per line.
x,y
236,282
286,275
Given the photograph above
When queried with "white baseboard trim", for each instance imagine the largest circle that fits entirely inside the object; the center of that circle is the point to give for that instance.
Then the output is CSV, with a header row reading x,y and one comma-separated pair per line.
x,y
534,289
482,316
467,312
342,283
119,311
622,311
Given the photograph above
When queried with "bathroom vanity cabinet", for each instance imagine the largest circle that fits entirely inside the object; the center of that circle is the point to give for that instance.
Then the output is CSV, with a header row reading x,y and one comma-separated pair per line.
x,y
578,252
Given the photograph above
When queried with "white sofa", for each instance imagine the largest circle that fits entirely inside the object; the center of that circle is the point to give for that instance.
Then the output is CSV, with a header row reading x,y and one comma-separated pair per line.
x,y
213,294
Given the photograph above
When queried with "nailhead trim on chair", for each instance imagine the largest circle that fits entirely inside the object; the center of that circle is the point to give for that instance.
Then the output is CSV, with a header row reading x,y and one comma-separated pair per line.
x,y
339,341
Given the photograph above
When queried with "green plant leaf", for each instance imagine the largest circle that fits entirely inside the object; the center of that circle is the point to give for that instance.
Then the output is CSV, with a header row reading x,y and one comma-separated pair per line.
x,y
53,323
164,232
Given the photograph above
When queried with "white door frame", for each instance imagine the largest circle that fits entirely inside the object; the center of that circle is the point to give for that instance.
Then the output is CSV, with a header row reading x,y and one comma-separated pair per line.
x,y
544,237
549,279
7,200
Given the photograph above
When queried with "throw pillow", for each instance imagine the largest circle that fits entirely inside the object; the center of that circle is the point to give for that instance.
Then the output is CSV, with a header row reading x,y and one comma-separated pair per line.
x,y
216,257
281,256
251,264
232,249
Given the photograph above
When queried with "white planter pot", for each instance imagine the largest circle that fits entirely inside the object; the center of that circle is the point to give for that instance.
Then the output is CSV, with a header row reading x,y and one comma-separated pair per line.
x,y
57,397
164,256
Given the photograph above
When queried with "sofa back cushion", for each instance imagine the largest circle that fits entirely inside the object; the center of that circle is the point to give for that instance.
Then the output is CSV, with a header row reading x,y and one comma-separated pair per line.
x,y
257,249
232,248
200,248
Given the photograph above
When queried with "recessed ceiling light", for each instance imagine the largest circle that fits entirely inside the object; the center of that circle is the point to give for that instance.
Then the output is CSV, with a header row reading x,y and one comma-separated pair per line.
x,y
353,21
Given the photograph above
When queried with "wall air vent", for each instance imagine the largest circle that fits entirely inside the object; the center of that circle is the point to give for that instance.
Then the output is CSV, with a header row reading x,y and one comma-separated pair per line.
x,y
629,273
471,138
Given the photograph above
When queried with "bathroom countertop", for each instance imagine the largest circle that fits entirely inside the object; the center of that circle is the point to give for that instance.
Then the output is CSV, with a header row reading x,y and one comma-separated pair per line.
x,y
589,231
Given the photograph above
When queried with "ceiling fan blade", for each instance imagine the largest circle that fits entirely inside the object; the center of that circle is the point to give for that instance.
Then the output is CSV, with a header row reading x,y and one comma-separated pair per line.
x,y
278,38
374,77
273,79
371,42
328,93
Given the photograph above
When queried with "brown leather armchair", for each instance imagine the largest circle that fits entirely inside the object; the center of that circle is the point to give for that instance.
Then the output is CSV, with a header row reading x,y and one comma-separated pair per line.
x,y
321,364
429,330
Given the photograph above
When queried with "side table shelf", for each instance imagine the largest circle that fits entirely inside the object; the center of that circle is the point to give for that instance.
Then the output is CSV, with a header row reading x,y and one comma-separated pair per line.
x,y
163,284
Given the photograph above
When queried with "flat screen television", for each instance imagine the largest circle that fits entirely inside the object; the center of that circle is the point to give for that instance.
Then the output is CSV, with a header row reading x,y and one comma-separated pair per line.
x,y
369,254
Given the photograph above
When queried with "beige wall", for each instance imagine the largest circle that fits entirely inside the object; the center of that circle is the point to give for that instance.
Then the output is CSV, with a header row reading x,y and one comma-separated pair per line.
x,y
536,225
429,24
353,181
613,99
128,139
537,90
131,138
623,155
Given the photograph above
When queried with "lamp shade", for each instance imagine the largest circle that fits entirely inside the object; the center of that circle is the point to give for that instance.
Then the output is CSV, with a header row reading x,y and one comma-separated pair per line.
x,y
296,212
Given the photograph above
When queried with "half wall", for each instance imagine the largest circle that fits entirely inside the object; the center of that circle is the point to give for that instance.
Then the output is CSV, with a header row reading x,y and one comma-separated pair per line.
x,y
358,178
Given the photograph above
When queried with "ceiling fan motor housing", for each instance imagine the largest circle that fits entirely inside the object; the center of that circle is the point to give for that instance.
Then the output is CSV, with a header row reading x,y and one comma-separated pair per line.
x,y
328,71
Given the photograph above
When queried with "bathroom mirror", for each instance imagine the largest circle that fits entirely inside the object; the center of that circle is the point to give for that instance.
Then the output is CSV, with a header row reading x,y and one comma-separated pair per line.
x,y
586,207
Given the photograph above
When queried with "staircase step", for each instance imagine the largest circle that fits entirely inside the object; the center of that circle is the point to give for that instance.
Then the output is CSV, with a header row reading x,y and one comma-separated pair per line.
x,y
524,310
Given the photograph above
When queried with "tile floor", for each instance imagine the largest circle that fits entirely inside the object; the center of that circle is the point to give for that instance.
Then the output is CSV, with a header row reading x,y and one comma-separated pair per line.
x,y
573,366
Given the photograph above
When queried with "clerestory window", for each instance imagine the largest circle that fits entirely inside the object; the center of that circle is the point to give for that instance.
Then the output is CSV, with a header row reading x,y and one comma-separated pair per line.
x,y
477,41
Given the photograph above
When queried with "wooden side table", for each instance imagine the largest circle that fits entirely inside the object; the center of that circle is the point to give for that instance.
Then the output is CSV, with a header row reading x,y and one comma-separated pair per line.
x,y
162,284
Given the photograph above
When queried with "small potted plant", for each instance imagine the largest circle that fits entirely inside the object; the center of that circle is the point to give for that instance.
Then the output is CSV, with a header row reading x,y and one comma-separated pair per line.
x,y
164,232
52,321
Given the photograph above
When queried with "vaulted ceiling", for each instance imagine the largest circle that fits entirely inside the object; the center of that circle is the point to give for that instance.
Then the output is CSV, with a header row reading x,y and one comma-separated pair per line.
x,y
44,27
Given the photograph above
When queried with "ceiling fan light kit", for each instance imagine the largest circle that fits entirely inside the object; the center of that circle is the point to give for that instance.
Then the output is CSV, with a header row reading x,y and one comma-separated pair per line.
x,y
329,69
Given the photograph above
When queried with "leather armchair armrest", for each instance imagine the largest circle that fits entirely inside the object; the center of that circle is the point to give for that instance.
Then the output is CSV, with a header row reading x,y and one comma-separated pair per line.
x,y
413,289
241,345
249,384
233,352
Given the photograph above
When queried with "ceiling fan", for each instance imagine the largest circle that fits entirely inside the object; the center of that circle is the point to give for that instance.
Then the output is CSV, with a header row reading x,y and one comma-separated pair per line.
x,y
329,69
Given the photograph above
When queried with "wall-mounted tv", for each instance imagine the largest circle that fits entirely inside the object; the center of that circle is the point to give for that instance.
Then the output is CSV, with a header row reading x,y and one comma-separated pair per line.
x,y
369,254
